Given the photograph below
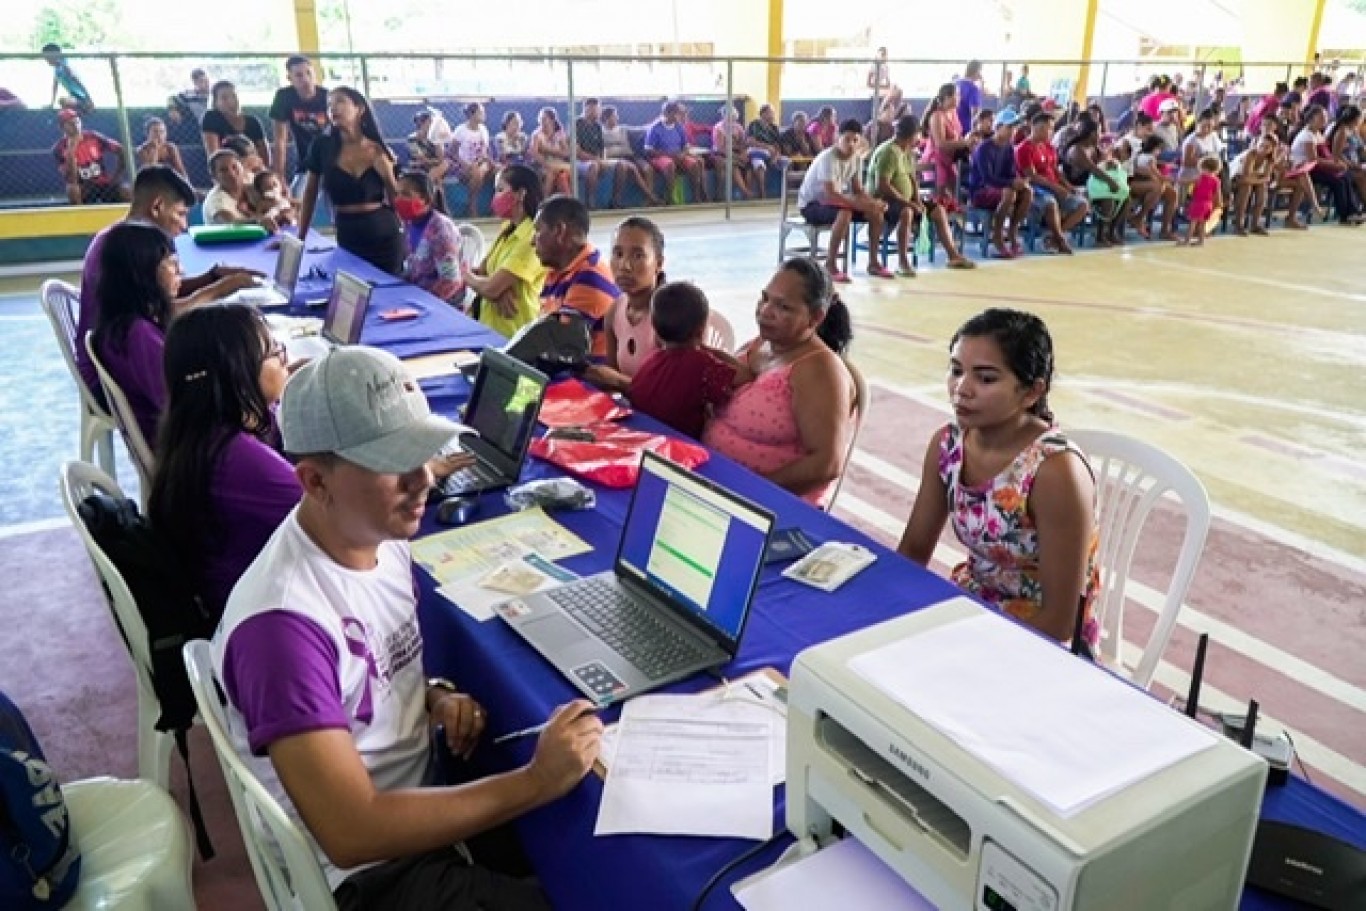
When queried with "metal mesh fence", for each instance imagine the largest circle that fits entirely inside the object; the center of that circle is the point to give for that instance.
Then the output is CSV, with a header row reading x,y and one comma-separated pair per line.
x,y
126,92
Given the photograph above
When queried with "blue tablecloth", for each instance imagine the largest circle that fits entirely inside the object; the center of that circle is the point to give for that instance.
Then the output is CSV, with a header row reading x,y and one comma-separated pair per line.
x,y
518,688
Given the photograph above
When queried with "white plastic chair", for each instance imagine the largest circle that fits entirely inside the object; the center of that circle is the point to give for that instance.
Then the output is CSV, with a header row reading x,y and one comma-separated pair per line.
x,y
127,421
472,244
135,846
1131,477
720,333
287,871
78,481
61,302
861,403
788,223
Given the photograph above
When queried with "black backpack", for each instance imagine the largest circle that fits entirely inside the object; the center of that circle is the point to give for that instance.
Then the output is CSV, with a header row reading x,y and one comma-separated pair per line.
x,y
170,608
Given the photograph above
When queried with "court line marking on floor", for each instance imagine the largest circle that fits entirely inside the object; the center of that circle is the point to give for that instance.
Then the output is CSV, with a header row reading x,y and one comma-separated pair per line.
x,y
1283,536
1245,644
34,527
1136,310
1312,751
1297,287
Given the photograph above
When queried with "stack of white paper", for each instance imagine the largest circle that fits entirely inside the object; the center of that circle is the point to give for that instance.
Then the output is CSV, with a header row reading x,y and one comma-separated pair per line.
x,y
685,767
1057,727
844,875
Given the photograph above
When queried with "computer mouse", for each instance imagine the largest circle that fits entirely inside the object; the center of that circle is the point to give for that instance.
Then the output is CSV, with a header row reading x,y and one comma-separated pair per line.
x,y
456,510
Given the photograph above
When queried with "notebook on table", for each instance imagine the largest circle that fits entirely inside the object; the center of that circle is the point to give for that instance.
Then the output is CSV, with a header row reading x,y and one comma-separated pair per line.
x,y
675,602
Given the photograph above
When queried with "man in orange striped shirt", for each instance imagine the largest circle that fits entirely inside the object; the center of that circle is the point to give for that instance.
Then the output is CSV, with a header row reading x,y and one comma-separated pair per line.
x,y
579,278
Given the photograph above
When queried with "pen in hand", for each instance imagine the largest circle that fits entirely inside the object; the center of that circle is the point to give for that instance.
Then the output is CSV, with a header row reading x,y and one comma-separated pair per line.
x,y
536,729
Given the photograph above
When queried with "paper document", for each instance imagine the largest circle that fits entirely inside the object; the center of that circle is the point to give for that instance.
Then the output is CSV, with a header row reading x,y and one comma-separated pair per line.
x,y
1062,730
483,547
681,768
430,366
758,690
844,875
479,594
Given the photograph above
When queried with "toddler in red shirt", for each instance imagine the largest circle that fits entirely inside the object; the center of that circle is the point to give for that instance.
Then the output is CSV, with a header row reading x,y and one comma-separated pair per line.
x,y
682,381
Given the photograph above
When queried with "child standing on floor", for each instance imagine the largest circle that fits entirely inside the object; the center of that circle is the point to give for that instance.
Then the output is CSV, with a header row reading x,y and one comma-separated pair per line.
x,y
1206,194
682,381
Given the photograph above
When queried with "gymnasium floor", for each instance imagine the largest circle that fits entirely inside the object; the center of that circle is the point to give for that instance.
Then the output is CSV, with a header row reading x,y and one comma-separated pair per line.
x,y
1244,359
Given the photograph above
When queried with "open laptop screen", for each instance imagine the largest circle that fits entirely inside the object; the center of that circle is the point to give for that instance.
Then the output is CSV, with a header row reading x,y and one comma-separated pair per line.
x,y
504,405
287,265
695,544
346,309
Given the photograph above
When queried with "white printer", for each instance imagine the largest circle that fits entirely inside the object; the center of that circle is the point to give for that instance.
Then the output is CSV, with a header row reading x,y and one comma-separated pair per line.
x,y
966,836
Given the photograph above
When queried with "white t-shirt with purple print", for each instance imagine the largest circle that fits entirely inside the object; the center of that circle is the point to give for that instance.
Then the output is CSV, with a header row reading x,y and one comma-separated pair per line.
x,y
306,644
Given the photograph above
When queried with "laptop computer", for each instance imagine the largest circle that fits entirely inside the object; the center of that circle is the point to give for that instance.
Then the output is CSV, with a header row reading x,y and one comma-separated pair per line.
x,y
341,324
279,290
676,600
502,413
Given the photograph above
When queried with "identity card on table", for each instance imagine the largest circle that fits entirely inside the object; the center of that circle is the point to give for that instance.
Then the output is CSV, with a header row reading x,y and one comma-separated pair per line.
x,y
830,565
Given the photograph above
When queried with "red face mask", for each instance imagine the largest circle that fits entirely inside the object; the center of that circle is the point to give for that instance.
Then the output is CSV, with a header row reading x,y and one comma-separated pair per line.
x,y
410,209
504,204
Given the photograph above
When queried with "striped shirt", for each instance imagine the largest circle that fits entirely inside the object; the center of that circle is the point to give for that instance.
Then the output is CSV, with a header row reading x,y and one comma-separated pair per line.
x,y
584,286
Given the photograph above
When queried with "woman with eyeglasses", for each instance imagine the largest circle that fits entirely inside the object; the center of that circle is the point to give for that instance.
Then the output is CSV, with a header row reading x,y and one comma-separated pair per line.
x,y
221,485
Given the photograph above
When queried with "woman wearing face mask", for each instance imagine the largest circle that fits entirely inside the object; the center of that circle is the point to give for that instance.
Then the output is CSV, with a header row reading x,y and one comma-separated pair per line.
x,y
434,242
509,279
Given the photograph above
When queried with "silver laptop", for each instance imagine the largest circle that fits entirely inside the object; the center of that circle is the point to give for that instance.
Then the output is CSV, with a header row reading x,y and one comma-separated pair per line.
x,y
676,600
278,291
341,325
502,412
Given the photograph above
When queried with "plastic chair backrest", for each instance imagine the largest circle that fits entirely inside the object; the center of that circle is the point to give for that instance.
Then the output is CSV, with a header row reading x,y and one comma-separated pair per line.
x,y
861,403
720,333
138,446
472,245
1131,478
61,302
79,480
287,871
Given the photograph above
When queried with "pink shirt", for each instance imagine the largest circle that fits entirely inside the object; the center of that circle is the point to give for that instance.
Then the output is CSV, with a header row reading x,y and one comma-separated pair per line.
x,y
634,343
758,427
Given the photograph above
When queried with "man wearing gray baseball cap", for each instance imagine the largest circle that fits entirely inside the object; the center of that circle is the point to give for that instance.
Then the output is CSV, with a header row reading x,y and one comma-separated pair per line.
x,y
320,655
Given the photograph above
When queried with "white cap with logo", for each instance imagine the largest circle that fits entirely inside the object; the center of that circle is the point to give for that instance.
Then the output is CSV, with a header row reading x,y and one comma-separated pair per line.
x,y
360,404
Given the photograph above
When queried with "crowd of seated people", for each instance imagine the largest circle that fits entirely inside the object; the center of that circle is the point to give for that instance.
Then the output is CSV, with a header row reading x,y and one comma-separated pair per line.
x,y
1155,146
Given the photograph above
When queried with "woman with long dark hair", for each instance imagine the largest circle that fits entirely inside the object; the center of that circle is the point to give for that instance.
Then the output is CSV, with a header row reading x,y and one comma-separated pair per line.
x,y
351,163
1020,495
138,283
509,279
221,486
638,270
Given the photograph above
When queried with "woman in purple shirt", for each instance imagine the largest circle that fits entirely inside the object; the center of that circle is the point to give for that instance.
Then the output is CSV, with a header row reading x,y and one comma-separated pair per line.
x,y
221,486
138,284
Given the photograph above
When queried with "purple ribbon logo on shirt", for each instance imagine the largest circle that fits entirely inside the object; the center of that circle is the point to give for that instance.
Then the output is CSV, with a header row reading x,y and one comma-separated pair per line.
x,y
358,644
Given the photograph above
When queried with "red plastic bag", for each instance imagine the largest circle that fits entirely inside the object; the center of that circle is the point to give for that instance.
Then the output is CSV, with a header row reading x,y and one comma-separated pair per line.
x,y
613,458
569,403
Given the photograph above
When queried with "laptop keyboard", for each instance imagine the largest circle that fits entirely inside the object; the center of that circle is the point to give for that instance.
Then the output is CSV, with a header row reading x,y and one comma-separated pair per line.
x,y
632,629
477,477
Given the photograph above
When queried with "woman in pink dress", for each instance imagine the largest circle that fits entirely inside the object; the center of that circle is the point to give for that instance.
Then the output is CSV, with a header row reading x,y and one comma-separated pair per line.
x,y
793,423
946,145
